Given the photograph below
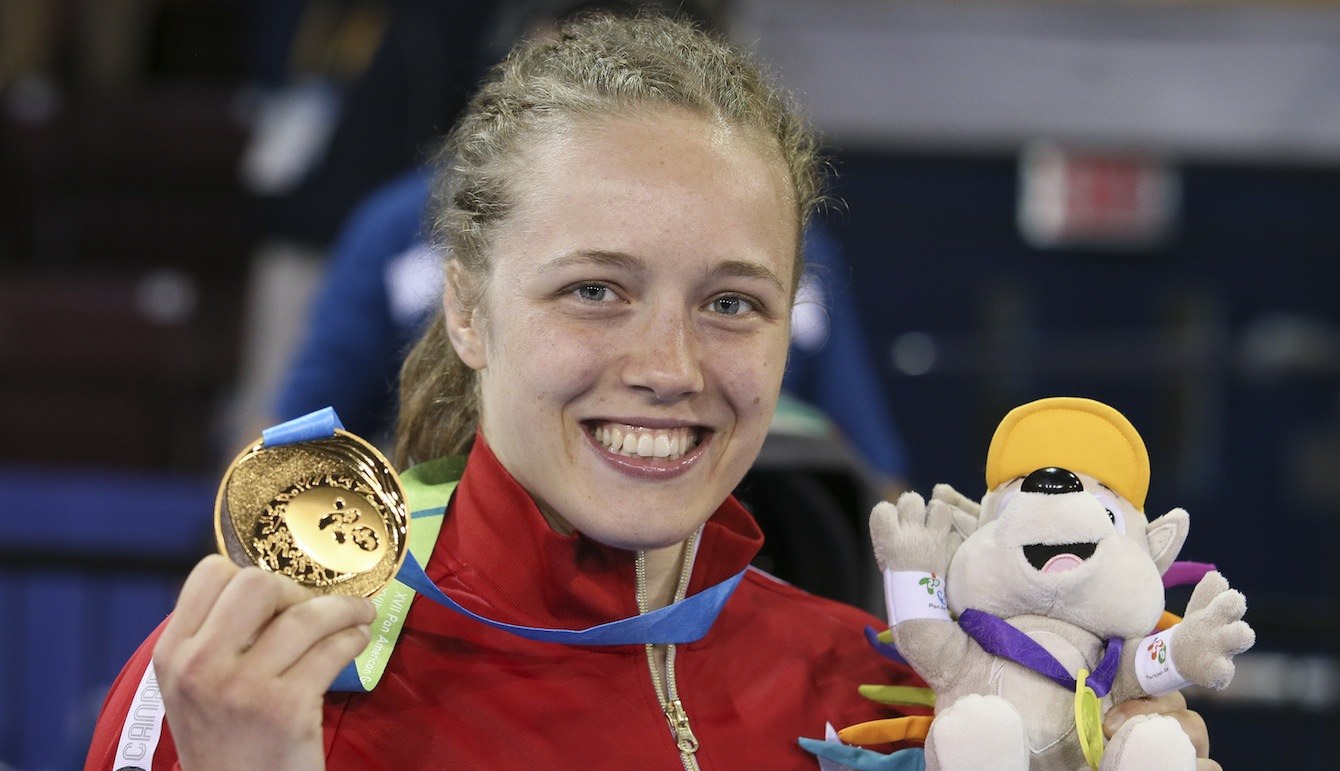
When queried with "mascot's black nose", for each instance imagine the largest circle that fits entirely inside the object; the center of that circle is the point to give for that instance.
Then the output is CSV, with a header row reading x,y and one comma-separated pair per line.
x,y
1052,481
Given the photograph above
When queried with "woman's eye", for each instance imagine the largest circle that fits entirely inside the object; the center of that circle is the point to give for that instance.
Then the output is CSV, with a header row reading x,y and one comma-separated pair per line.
x,y
593,292
731,305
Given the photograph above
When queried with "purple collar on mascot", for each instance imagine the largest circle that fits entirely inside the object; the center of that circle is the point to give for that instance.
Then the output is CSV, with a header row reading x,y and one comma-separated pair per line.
x,y
999,638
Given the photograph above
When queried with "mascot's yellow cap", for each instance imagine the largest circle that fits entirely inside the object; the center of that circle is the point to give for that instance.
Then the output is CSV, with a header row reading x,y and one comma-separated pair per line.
x,y
1077,434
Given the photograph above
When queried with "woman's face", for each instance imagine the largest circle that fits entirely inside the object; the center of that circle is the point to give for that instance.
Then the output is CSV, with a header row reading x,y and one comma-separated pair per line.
x,y
634,326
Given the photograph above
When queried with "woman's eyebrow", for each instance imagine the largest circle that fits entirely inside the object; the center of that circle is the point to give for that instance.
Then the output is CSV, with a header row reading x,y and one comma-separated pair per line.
x,y
602,257
745,269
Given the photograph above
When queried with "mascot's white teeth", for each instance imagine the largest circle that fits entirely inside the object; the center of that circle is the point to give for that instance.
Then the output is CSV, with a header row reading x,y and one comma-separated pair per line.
x,y
1058,558
635,442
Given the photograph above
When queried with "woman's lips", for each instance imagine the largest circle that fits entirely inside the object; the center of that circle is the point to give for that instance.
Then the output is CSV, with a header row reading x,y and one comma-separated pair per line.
x,y
645,451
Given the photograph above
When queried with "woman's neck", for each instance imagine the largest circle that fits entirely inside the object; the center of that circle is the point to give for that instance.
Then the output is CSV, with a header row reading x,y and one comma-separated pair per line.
x,y
663,570
663,566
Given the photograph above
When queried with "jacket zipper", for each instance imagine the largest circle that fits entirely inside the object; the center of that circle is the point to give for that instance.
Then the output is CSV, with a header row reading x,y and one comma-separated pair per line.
x,y
666,690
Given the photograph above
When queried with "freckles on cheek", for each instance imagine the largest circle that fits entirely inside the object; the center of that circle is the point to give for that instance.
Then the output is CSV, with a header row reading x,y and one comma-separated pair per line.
x,y
753,386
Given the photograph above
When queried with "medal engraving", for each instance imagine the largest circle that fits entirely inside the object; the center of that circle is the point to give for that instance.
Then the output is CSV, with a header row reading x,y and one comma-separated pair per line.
x,y
328,513
324,518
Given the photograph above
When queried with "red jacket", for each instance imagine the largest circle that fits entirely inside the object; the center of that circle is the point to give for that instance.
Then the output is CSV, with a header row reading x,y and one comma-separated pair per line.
x,y
777,664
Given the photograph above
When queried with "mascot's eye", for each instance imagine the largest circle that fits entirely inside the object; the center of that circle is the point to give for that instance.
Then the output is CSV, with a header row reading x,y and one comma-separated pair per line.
x,y
1003,502
1109,503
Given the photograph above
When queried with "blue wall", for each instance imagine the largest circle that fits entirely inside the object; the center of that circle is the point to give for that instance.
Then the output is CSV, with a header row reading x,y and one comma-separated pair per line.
x,y
91,562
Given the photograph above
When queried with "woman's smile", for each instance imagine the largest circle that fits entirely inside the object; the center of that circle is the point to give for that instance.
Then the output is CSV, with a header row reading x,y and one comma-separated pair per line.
x,y
641,451
644,442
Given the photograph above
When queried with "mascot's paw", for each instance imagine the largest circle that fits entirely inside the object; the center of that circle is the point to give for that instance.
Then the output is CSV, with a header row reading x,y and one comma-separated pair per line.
x,y
977,733
1150,743
912,535
1212,633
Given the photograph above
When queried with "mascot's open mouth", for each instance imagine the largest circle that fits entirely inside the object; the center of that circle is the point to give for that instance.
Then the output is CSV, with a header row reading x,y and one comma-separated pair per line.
x,y
1058,558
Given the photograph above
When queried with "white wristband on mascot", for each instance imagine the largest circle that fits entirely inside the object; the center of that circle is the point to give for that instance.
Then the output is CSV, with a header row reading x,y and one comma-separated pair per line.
x,y
911,594
1154,664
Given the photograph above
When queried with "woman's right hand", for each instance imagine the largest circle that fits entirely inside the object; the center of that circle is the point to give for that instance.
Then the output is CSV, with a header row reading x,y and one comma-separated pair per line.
x,y
244,664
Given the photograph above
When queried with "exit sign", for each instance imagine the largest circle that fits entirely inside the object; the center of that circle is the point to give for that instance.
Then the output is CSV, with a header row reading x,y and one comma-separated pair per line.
x,y
1101,199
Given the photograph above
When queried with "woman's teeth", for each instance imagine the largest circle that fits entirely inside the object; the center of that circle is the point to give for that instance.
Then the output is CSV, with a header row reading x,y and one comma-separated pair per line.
x,y
646,442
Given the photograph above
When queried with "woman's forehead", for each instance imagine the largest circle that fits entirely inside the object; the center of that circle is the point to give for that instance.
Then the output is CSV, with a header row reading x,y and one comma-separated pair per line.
x,y
634,185
646,130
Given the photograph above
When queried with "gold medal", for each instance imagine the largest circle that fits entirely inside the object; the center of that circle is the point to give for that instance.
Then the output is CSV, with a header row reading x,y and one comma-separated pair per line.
x,y
328,513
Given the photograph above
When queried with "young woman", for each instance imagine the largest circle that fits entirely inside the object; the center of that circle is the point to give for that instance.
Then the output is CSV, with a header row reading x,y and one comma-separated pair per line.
x,y
622,212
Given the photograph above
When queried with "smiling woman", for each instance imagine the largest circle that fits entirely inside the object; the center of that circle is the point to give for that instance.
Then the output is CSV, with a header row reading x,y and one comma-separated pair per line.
x,y
621,209
636,295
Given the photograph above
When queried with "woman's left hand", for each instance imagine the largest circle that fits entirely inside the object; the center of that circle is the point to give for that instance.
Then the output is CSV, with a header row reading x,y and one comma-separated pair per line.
x,y
1174,706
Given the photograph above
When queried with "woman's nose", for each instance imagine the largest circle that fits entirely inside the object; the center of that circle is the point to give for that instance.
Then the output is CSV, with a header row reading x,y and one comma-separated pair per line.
x,y
663,358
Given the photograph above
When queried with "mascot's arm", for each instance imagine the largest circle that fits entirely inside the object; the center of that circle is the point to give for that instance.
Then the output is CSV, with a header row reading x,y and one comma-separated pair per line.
x,y
1126,685
938,650
914,544
1198,650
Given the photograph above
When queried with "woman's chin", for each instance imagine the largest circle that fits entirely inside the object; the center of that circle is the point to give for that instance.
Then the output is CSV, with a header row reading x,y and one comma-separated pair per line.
x,y
640,539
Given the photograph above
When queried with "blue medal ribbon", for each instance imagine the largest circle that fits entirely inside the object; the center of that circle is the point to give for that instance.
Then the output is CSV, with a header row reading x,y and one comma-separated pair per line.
x,y
314,425
685,621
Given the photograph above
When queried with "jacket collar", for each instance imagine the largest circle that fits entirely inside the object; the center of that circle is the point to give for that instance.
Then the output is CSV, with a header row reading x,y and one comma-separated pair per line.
x,y
498,553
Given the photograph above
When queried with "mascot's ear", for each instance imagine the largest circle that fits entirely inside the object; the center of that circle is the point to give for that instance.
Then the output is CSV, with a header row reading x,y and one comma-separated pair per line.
x,y
967,512
1166,536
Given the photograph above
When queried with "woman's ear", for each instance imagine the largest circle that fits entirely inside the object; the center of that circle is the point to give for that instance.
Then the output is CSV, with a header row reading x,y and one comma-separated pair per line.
x,y
463,324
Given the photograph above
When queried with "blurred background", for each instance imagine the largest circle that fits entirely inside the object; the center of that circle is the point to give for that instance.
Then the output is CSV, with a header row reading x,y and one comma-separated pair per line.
x,y
1133,201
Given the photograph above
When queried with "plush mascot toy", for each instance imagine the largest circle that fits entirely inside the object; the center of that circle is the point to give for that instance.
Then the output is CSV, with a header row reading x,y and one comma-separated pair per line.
x,y
1032,614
